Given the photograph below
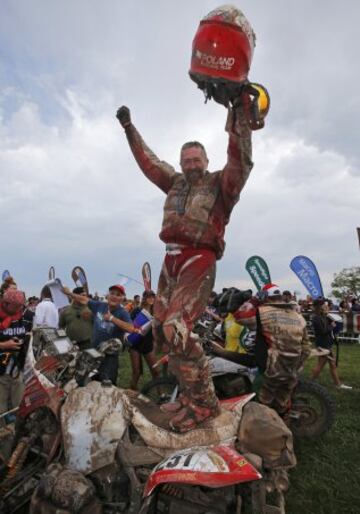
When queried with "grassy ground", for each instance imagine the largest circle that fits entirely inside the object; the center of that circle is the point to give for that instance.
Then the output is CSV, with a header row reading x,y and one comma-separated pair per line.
x,y
327,478
124,375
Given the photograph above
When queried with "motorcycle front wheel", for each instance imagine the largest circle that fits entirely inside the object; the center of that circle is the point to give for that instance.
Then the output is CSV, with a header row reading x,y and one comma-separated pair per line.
x,y
161,390
312,411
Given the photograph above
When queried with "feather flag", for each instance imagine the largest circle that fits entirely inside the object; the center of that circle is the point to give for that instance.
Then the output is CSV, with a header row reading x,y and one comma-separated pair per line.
x,y
146,274
258,271
306,271
79,277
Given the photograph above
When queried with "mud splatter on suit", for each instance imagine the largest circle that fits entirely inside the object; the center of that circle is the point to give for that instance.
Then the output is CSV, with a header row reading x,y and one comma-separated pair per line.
x,y
195,216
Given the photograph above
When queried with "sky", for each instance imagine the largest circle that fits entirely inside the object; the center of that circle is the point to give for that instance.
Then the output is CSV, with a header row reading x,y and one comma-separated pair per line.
x,y
72,193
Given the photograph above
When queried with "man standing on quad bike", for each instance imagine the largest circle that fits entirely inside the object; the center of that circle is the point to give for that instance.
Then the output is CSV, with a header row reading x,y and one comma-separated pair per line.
x,y
281,348
197,208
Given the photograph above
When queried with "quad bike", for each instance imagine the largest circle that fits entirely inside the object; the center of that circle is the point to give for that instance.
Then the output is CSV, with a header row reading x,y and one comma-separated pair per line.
x,y
312,411
85,446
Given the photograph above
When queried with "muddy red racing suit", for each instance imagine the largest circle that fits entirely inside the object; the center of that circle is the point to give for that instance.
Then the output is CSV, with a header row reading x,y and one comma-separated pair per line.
x,y
193,229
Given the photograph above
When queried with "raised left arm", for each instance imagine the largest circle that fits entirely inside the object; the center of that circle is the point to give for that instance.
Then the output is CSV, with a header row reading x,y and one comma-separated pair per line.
x,y
239,163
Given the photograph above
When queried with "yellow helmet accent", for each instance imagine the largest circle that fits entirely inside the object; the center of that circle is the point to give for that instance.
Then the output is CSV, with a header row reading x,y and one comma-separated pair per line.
x,y
263,99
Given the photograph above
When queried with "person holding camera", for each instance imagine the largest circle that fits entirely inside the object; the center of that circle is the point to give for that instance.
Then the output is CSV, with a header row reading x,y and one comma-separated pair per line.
x,y
13,328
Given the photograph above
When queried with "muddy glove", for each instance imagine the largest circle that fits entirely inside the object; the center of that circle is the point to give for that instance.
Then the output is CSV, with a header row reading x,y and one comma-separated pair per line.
x,y
123,115
255,103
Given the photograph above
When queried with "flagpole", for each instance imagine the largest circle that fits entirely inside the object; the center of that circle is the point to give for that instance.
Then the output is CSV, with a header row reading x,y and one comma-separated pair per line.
x,y
130,278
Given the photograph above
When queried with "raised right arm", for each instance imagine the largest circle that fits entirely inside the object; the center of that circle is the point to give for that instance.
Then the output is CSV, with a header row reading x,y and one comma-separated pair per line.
x,y
84,300
159,172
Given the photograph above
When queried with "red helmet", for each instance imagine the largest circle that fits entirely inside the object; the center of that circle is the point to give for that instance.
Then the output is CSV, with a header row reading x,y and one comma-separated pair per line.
x,y
222,52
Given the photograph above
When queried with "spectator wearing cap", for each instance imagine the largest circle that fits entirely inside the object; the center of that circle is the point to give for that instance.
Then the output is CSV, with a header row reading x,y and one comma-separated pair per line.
x,y
46,313
145,348
111,321
13,328
281,348
77,320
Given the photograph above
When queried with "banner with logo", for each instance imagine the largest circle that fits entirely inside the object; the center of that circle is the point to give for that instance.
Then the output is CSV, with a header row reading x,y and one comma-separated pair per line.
x,y
59,298
306,271
146,274
258,271
79,277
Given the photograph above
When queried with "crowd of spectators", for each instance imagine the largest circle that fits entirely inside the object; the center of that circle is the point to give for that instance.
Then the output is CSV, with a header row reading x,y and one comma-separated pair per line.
x,y
90,320
344,306
87,320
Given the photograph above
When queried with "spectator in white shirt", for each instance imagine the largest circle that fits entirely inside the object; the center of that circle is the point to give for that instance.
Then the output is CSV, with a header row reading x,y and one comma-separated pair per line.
x,y
46,314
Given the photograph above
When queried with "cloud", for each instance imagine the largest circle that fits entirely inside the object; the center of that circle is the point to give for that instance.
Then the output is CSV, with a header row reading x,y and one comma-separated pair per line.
x,y
299,200
72,193
306,55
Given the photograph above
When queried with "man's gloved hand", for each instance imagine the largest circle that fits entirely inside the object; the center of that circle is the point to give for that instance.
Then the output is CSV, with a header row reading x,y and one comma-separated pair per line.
x,y
255,102
123,115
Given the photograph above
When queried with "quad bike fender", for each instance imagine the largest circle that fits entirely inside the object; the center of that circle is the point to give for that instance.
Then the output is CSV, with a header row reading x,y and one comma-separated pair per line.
x,y
237,403
93,421
164,441
39,390
216,466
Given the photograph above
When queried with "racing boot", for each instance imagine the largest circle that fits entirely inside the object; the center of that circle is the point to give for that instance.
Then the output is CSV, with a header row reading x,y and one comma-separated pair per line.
x,y
197,401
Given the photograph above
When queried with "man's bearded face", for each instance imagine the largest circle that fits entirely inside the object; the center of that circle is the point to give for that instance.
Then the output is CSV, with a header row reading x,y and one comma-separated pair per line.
x,y
193,163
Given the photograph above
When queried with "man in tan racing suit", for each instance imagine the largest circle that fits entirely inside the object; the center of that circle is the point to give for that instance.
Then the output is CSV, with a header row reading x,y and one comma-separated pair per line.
x,y
283,334
197,208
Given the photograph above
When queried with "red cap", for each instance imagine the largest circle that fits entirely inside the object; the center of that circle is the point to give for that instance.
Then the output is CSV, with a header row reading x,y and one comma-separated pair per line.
x,y
119,287
271,290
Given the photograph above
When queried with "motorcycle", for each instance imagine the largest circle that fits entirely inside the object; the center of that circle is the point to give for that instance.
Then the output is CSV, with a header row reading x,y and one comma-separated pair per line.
x,y
312,411
36,438
85,446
